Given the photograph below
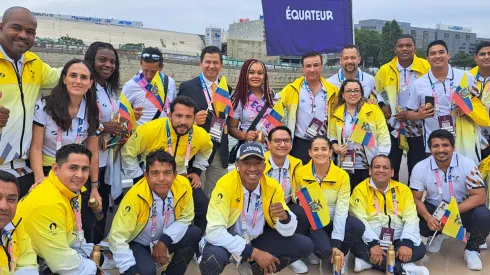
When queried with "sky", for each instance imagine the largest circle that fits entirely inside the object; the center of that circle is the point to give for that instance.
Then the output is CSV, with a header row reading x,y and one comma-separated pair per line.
x,y
193,16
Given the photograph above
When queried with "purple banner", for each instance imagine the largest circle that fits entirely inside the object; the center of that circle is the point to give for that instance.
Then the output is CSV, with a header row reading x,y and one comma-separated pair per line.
x,y
295,27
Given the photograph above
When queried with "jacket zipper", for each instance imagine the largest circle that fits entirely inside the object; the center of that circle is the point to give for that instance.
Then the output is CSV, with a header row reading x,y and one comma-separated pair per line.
x,y
176,146
19,81
150,212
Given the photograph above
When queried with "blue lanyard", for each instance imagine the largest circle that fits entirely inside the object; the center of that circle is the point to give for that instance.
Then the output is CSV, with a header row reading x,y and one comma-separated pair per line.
x,y
318,179
312,98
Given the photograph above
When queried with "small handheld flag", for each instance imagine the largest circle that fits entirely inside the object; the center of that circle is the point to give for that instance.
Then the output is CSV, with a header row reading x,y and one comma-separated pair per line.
x,y
453,226
312,200
462,96
362,134
126,111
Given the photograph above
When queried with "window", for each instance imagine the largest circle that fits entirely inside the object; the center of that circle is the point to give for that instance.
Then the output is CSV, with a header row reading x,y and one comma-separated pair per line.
x,y
457,36
468,36
446,35
426,34
414,33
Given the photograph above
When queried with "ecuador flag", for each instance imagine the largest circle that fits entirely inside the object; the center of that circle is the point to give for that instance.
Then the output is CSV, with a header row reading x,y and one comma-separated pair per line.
x,y
362,134
126,112
312,200
221,99
462,96
453,226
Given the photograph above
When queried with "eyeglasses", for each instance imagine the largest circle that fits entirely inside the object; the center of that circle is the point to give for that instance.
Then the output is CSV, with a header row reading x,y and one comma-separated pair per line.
x,y
356,91
147,56
286,141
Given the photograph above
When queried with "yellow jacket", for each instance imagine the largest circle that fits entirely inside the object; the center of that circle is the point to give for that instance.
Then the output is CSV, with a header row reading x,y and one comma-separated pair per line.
x,y
50,221
134,212
371,114
336,188
388,79
406,224
225,208
25,259
20,100
290,98
294,164
484,90
152,135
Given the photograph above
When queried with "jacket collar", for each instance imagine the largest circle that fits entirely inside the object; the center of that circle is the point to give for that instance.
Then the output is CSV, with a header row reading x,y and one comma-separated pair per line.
x,y
145,193
393,184
417,64
26,57
61,187
339,112
330,177
293,162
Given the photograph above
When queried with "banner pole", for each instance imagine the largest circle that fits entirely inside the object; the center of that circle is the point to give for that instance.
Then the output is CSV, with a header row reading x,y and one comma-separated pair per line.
x,y
352,23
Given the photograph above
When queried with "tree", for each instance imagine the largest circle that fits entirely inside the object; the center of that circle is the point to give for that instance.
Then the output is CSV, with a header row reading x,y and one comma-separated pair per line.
x,y
389,35
463,60
368,42
421,53
132,46
67,40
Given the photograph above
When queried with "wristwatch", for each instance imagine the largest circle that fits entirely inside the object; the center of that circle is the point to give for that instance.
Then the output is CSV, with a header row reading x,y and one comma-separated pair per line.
x,y
100,130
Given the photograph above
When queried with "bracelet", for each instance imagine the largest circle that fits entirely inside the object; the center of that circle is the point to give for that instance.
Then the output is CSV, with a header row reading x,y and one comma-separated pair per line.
x,y
94,184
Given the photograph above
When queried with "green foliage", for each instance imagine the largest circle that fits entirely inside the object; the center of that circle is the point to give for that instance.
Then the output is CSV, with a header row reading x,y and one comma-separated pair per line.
x,y
132,46
421,53
369,42
67,40
463,60
389,35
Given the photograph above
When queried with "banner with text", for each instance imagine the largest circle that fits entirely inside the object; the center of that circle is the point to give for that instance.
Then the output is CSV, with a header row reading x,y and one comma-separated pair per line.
x,y
296,27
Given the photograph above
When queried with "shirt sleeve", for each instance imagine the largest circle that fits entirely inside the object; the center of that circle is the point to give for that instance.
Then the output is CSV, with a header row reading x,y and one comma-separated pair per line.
x,y
473,178
50,76
135,146
238,111
40,116
417,178
172,89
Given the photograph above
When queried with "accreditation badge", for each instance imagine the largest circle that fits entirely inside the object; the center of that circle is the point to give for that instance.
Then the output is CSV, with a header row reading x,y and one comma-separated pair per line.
x,y
216,129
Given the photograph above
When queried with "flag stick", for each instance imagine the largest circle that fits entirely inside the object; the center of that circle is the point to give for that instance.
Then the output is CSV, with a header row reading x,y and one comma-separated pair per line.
x,y
433,236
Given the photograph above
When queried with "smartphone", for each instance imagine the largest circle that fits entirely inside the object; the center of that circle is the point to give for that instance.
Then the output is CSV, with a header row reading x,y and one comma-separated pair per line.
x,y
430,99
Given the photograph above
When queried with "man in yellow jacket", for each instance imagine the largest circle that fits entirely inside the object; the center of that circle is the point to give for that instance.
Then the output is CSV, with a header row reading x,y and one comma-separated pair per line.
x,y
51,214
249,222
154,221
17,255
283,167
22,75
308,103
392,82
387,209
189,144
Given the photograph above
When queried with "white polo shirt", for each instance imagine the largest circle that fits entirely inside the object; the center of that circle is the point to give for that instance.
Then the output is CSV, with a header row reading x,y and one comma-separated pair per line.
x,y
137,96
406,78
304,114
281,175
41,118
462,171
250,199
108,104
367,81
144,238
422,87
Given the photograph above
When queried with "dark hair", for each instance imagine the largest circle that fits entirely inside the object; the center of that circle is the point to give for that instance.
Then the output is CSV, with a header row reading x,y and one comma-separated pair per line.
x,y
435,43
211,50
241,92
161,156
405,36
112,83
279,128
324,137
186,101
64,152
380,156
481,46
7,177
442,134
59,99
150,51
311,54
340,98
351,46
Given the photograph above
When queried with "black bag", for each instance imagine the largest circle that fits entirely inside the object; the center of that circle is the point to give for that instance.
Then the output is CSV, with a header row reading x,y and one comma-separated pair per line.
x,y
234,149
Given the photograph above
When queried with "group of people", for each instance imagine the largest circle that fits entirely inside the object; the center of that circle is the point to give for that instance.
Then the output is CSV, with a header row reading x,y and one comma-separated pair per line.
x,y
73,146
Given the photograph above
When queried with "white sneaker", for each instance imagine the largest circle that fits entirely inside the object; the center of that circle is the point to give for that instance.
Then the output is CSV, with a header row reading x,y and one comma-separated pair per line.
x,y
413,269
473,261
313,259
484,246
299,267
435,246
360,265
197,260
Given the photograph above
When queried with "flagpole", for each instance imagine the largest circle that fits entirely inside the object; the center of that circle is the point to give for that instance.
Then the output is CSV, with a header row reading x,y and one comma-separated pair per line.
x,y
433,236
